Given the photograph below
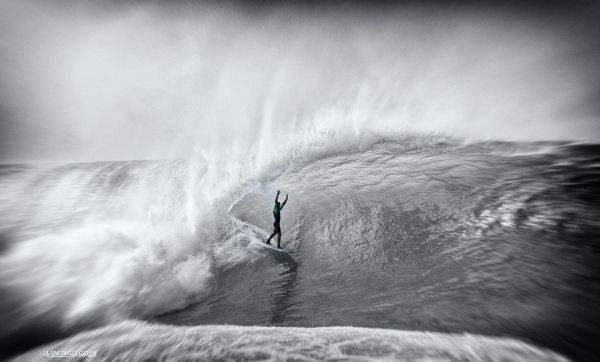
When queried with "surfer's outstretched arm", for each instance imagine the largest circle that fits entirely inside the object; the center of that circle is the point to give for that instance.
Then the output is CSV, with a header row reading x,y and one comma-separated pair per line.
x,y
277,196
284,201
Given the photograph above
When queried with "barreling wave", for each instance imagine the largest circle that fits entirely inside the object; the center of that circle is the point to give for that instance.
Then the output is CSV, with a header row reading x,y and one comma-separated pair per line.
x,y
413,233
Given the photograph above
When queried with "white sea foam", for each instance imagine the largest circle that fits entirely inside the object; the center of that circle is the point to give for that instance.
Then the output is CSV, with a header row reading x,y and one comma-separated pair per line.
x,y
140,341
98,243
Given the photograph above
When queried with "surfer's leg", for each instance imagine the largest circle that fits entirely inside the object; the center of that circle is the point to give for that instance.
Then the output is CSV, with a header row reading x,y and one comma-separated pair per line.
x,y
270,237
275,231
279,240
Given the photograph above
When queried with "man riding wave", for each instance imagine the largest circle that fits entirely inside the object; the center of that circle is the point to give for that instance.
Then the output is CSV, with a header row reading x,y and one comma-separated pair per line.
x,y
277,214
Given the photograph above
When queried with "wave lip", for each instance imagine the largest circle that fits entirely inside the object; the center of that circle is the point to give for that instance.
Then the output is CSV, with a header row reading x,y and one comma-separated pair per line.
x,y
135,340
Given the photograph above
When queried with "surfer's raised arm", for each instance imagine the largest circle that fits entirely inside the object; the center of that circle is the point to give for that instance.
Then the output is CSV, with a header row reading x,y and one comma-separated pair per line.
x,y
277,196
284,201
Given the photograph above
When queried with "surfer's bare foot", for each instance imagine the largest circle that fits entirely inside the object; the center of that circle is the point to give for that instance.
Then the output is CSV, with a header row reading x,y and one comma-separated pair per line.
x,y
278,247
268,242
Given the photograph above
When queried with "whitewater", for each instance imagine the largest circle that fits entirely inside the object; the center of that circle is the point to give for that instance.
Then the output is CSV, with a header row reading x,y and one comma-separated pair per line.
x,y
408,234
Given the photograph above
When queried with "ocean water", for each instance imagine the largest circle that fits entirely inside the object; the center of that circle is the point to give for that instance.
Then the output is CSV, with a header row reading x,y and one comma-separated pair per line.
x,y
457,250
140,341
442,163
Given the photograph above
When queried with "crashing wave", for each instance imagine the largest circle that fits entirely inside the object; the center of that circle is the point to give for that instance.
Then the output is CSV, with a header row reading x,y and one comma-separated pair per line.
x,y
139,341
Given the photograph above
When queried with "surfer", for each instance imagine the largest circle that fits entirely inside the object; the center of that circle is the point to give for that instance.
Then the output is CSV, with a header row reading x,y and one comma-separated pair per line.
x,y
277,214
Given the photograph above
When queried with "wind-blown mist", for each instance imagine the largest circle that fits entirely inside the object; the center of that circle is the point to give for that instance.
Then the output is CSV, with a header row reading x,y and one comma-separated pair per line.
x,y
150,82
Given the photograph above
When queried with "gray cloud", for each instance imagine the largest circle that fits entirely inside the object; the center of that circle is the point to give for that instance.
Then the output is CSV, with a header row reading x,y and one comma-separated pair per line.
x,y
122,80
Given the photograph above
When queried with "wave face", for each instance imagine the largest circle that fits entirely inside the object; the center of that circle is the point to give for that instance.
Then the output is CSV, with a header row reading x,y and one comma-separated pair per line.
x,y
420,234
142,341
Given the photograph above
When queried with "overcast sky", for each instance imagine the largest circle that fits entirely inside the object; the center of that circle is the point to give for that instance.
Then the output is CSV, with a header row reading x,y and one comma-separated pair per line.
x,y
83,80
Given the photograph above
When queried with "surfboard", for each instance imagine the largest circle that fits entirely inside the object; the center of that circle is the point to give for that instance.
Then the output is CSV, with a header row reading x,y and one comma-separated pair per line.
x,y
273,247
262,236
280,255
260,242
